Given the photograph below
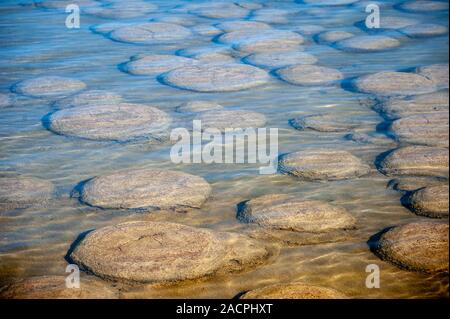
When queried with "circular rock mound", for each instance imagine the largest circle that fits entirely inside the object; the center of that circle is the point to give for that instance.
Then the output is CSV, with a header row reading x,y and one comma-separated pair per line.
x,y
438,73
308,75
421,246
238,25
272,16
230,119
425,129
91,97
279,211
220,10
324,123
49,87
198,106
293,291
186,20
216,78
206,30
431,201
394,83
367,43
156,64
279,59
23,192
146,189
416,160
322,165
424,30
111,122
409,184
157,252
54,287
424,6
151,33
329,37
397,107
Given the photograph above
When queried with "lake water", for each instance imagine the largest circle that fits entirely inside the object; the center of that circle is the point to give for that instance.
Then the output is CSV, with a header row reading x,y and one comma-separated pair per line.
x,y
33,242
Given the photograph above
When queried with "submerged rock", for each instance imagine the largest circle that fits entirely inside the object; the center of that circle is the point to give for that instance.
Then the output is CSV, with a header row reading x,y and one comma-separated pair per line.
x,y
438,73
230,119
216,78
54,287
367,43
372,138
322,165
408,184
308,75
416,160
430,201
398,107
279,59
238,25
329,37
151,33
91,97
424,6
186,20
206,29
425,129
156,64
309,29
220,10
424,30
391,23
394,83
23,192
111,122
198,106
420,246
49,87
146,189
272,16
105,28
157,252
325,123
293,291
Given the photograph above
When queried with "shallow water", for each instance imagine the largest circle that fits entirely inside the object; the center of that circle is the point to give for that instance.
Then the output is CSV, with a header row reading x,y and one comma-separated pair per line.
x,y
35,41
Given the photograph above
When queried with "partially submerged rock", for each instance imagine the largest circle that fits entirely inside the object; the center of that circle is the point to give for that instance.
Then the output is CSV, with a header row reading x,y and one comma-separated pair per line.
x,y
151,33
394,83
325,123
156,64
430,201
238,25
424,30
220,10
424,6
371,138
157,252
329,37
293,291
23,192
54,287
322,165
416,161
438,73
308,75
216,78
279,59
409,184
425,129
49,87
420,246
231,119
91,97
146,190
367,43
271,15
198,106
111,122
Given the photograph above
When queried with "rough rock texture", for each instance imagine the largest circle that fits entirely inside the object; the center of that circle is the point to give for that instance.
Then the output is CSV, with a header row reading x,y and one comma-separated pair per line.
x,y
279,59
216,78
146,189
206,30
322,165
49,87
416,160
198,106
186,20
438,73
309,29
398,107
423,6
367,43
420,246
372,138
426,129
325,123
394,83
156,64
111,122
329,37
220,10
54,287
424,30
293,291
309,75
431,201
237,25
271,15
91,97
223,119
151,33
157,252
408,184
23,192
